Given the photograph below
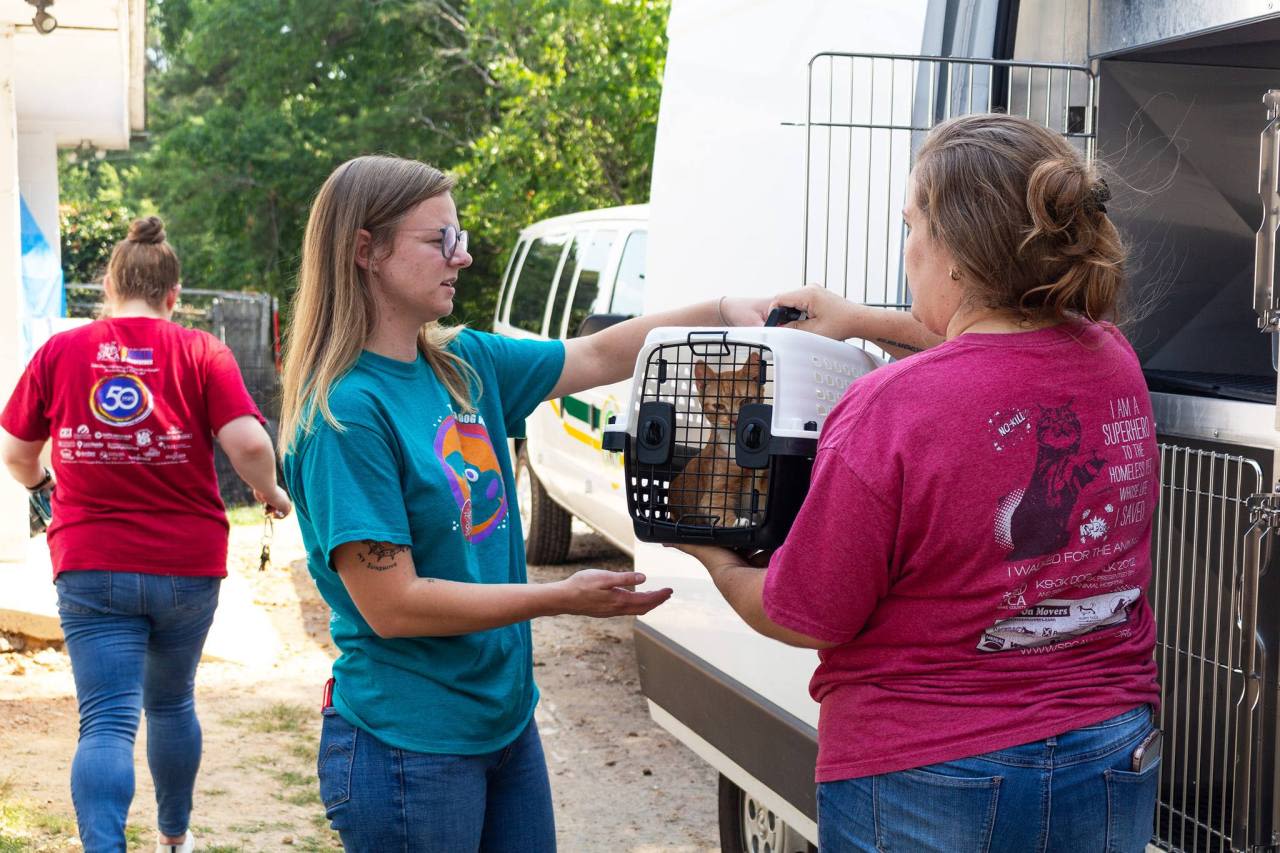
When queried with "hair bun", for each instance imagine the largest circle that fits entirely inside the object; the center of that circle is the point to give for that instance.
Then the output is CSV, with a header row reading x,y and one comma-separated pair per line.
x,y
149,229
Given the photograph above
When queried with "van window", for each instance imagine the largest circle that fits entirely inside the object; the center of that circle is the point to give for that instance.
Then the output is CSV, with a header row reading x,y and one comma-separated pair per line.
x,y
512,263
529,302
565,283
587,289
628,293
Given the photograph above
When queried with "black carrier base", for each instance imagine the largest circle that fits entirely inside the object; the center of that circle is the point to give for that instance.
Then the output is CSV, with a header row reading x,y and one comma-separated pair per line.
x,y
648,485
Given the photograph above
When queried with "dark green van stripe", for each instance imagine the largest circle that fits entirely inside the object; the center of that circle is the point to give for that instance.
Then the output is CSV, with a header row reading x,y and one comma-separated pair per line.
x,y
578,409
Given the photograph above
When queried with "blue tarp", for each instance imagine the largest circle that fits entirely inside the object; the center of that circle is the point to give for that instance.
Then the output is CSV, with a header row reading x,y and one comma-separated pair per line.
x,y
41,284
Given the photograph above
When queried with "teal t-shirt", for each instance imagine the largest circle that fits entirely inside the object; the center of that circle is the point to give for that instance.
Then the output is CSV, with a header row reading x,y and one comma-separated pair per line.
x,y
410,469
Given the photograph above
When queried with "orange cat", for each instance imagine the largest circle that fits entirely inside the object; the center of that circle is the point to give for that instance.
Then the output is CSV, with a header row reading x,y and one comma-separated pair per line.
x,y
712,488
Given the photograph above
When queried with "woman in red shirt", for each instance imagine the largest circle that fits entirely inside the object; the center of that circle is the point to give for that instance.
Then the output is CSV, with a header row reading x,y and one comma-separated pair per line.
x,y
132,403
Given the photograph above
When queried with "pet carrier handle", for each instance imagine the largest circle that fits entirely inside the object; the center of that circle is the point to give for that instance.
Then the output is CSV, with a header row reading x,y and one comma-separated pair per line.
x,y
782,315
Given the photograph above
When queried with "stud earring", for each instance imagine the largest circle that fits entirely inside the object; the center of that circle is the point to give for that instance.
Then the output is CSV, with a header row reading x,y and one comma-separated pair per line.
x,y
955,274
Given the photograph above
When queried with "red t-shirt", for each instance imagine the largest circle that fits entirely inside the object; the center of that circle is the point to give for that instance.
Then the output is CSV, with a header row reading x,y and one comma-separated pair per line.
x,y
977,539
132,405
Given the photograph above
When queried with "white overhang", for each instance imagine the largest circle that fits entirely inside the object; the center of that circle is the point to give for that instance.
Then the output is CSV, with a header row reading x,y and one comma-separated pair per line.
x,y
82,82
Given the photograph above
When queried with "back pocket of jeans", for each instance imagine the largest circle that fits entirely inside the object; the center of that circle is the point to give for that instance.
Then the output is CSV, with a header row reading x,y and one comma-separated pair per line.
x,y
1131,808
195,594
919,810
84,592
337,757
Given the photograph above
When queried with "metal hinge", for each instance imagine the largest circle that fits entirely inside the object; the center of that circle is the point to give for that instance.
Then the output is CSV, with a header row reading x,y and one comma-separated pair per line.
x,y
1264,510
1265,302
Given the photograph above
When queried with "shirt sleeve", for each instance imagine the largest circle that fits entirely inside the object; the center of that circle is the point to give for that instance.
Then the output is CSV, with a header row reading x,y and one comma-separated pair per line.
x,y
526,371
226,397
350,485
26,415
834,566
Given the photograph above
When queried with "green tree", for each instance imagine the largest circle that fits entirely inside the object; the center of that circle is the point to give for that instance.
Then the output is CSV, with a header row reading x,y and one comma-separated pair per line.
x,y
258,100
539,106
94,212
574,101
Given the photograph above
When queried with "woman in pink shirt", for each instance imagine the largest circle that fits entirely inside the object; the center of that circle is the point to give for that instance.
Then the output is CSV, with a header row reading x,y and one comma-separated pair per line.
x,y
973,556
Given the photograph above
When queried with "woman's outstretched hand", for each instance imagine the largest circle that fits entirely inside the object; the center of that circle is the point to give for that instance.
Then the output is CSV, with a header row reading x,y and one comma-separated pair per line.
x,y
597,592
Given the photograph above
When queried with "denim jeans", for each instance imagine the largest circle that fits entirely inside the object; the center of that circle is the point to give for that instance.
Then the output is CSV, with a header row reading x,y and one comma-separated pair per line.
x,y
382,798
1074,793
134,642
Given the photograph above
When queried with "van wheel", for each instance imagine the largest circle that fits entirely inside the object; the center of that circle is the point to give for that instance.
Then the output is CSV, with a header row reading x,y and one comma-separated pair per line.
x,y
748,826
547,527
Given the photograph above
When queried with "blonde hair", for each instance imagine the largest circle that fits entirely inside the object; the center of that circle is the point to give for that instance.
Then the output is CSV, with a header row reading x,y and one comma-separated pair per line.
x,y
333,311
143,265
1023,214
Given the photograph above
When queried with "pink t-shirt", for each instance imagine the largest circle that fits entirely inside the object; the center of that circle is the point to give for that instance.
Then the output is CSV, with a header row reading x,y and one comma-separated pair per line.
x,y
977,539
132,405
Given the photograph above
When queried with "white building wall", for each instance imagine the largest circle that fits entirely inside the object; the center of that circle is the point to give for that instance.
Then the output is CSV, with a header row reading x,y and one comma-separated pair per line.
x,y
38,180
13,500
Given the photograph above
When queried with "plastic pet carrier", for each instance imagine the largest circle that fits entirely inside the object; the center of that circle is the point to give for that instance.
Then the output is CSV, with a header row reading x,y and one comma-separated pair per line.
x,y
722,429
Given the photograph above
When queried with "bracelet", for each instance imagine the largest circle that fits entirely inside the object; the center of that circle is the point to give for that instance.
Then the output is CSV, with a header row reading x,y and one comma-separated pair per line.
x,y
48,478
720,311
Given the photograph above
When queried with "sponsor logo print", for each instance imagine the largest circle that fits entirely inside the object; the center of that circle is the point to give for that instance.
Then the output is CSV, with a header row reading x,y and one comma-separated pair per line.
x,y
82,430
121,400
141,356
143,437
65,432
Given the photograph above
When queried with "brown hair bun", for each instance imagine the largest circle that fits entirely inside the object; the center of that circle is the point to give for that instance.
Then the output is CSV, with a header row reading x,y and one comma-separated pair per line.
x,y
149,229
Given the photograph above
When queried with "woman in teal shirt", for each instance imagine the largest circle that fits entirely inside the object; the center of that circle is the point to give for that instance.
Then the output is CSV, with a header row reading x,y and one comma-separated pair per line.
x,y
395,433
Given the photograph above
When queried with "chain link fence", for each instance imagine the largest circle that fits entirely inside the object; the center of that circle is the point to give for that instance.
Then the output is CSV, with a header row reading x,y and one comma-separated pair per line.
x,y
245,322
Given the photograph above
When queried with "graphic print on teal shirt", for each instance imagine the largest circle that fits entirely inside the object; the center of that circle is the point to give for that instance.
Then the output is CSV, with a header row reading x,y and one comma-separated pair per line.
x,y
463,447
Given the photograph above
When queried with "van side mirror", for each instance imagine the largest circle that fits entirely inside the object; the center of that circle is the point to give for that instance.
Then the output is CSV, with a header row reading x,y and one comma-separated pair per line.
x,y
593,323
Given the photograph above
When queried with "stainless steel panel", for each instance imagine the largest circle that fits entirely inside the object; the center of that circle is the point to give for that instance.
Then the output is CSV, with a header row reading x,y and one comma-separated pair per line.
x,y
1208,419
1053,31
1121,25
1182,142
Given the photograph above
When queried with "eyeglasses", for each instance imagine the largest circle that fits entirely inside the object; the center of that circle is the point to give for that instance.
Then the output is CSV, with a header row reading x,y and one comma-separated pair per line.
x,y
451,240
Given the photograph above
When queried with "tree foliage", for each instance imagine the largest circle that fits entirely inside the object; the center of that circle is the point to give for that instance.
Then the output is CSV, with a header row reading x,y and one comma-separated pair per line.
x,y
94,212
539,106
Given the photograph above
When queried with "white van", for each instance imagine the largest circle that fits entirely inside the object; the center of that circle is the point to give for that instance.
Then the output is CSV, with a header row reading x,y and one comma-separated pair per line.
x,y
568,276
785,134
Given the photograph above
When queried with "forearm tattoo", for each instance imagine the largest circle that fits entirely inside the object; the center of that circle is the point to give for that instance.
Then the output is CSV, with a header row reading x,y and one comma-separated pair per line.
x,y
899,345
380,556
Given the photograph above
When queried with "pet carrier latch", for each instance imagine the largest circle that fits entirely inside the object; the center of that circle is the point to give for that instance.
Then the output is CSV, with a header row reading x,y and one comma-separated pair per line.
x,y
1264,270
751,447
654,433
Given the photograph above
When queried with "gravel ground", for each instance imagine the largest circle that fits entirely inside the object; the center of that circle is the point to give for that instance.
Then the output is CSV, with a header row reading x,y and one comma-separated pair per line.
x,y
619,782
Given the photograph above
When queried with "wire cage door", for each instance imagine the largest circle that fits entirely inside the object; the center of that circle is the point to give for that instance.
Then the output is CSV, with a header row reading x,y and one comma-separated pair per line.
x,y
1206,565
866,117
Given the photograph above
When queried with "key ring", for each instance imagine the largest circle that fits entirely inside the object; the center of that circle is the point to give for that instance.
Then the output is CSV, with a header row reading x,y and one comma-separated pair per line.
x,y
268,531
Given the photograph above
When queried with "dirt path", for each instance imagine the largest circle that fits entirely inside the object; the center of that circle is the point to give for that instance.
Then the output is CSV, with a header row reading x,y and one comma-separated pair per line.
x,y
619,782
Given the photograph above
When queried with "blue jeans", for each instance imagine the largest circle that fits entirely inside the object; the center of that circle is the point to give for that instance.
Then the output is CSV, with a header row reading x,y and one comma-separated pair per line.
x,y
1074,793
381,798
134,642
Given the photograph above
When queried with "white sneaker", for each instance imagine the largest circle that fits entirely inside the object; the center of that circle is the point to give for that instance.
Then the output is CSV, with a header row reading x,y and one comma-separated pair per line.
x,y
188,844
